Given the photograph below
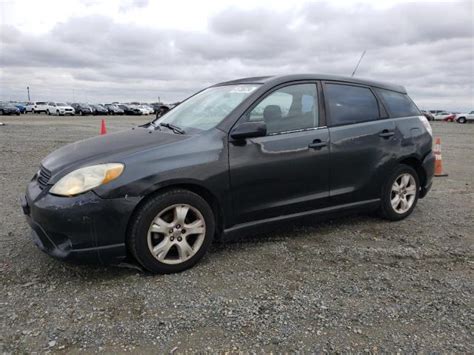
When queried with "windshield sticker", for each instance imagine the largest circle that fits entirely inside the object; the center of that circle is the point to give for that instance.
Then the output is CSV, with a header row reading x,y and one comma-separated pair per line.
x,y
243,89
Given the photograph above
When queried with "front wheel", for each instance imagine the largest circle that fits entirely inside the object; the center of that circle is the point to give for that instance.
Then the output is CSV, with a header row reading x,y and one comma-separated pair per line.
x,y
462,120
171,232
400,193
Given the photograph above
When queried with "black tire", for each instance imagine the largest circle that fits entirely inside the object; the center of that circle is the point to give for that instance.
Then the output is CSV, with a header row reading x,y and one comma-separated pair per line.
x,y
2,112
386,209
462,120
143,217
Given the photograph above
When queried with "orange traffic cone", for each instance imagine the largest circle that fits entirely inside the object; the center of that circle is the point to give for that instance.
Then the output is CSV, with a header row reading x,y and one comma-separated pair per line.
x,y
103,129
439,159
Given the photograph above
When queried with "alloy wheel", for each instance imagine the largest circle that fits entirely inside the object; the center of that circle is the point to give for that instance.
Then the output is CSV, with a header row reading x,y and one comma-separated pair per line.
x,y
176,234
403,193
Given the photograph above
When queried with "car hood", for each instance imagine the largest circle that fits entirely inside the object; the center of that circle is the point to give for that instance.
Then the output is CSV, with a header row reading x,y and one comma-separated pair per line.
x,y
108,148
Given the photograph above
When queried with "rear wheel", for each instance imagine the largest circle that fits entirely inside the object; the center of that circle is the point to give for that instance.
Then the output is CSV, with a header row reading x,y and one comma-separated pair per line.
x,y
171,232
462,120
400,193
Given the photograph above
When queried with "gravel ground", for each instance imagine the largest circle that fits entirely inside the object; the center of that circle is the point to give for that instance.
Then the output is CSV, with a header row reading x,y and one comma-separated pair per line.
x,y
356,283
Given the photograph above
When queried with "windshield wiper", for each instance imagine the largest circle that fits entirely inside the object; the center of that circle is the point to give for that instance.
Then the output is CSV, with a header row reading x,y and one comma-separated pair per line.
x,y
174,128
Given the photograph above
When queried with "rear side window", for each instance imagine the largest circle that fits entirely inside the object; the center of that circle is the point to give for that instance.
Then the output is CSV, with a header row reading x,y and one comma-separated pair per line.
x,y
398,105
350,104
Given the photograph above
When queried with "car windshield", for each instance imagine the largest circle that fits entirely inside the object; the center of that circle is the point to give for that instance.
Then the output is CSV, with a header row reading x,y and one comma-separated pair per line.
x,y
61,104
208,108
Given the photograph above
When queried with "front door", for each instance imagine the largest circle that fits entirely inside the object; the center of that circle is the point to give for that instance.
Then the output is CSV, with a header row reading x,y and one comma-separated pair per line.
x,y
287,170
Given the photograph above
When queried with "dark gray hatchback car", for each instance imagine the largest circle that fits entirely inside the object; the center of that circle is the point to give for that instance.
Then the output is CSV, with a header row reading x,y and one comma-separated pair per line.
x,y
236,155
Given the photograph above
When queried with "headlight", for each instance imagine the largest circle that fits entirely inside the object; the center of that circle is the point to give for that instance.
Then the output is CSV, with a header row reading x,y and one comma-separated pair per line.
x,y
85,179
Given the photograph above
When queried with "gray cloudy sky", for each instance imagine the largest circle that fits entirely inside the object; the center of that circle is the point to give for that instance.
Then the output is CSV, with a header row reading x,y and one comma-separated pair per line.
x,y
99,51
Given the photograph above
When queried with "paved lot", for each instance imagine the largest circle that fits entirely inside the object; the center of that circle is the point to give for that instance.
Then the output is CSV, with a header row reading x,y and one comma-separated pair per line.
x,y
353,284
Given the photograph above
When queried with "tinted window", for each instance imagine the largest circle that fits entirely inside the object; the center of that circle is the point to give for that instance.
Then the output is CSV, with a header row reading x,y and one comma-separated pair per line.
x,y
350,104
290,108
399,105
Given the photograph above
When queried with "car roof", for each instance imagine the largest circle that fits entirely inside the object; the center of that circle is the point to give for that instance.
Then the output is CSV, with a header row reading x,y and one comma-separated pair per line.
x,y
295,77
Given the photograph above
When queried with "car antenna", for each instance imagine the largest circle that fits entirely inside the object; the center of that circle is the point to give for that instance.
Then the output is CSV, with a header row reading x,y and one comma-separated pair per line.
x,y
357,66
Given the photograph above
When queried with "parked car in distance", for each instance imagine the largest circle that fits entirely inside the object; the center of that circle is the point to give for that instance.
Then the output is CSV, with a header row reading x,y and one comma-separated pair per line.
x,y
443,116
40,107
237,155
82,109
99,110
60,109
435,112
146,110
7,108
114,109
429,116
20,106
29,107
465,117
130,109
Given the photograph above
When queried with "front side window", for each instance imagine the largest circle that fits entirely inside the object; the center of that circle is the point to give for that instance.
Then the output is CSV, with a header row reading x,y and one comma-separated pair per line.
x,y
350,104
208,108
399,105
290,108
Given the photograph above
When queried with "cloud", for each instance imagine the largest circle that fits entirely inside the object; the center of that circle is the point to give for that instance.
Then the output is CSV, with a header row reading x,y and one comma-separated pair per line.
x,y
428,47
126,5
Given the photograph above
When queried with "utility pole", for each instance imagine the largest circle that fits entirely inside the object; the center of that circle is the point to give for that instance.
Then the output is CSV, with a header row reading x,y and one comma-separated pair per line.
x,y
28,90
357,66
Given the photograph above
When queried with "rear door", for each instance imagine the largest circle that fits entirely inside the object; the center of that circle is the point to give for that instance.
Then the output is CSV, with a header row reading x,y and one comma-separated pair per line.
x,y
287,170
364,143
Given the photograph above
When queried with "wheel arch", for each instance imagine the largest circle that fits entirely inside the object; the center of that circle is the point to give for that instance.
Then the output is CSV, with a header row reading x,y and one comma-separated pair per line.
x,y
199,190
416,164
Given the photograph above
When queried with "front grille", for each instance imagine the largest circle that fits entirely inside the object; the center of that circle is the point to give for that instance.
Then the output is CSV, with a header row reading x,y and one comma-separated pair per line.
x,y
43,177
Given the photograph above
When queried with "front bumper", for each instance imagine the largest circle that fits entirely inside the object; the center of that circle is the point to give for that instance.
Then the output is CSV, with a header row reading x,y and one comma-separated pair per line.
x,y
428,166
84,228
66,112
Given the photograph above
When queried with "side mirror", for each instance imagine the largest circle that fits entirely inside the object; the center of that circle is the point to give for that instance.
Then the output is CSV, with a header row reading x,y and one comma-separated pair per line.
x,y
249,130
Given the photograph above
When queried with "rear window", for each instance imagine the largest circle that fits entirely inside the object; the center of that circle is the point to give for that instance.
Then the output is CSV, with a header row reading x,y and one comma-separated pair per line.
x,y
398,105
350,104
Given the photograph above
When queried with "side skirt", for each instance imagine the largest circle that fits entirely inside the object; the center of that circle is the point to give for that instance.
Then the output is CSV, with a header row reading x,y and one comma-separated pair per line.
x,y
232,232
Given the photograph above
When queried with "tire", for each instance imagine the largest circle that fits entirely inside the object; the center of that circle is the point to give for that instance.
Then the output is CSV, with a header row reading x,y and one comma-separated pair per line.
x,y
462,120
387,210
141,240
2,112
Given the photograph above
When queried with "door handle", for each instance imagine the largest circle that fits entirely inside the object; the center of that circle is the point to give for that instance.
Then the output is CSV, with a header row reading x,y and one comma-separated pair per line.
x,y
386,133
317,144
